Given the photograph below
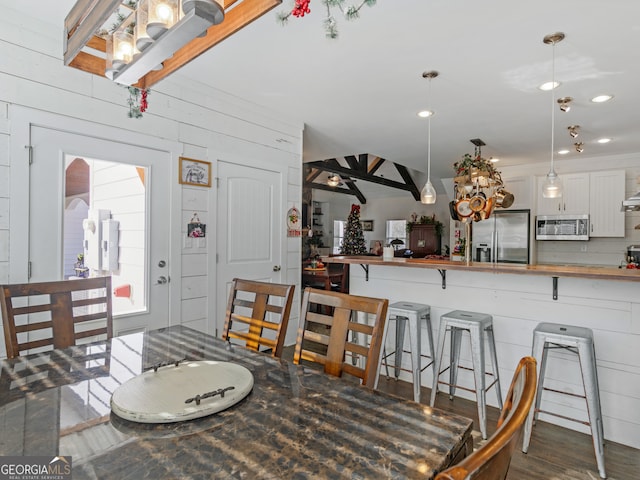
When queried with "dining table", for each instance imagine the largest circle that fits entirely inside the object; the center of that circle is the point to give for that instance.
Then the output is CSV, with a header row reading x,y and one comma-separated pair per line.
x,y
321,277
296,422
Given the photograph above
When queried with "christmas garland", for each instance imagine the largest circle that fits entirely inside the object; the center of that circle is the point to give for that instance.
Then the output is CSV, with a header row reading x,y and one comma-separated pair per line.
x,y
301,8
137,101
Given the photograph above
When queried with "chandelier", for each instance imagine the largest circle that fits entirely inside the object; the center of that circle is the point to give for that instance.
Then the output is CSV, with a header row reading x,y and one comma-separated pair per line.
x,y
153,38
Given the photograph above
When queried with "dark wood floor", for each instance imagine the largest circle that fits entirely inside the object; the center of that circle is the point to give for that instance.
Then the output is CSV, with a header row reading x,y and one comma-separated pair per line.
x,y
555,453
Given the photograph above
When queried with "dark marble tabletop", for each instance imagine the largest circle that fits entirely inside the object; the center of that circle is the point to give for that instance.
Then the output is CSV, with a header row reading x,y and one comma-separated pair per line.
x,y
297,423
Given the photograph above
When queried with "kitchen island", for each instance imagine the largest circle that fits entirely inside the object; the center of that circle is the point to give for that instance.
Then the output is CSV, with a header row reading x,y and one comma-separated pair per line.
x,y
607,300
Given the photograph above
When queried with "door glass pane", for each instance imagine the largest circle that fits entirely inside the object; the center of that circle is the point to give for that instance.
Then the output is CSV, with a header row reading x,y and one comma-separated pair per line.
x,y
105,224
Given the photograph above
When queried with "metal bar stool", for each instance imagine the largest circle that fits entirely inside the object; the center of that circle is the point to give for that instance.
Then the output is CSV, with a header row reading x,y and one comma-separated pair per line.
x,y
480,328
577,340
411,313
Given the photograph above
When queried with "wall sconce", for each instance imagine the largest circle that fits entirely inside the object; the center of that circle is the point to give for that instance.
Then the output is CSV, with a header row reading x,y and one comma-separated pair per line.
x,y
579,147
166,31
573,130
564,103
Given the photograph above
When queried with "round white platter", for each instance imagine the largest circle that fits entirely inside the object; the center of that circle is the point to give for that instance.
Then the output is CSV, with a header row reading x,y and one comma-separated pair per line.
x,y
184,392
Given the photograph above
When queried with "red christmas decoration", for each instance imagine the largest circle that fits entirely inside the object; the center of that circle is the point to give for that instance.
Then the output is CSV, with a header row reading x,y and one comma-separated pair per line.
x,y
301,8
143,101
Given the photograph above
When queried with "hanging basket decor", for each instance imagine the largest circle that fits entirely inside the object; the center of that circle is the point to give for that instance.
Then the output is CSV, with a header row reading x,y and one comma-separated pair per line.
x,y
478,189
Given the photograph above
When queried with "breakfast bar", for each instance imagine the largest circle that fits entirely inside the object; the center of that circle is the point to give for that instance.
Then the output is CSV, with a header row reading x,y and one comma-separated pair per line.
x,y
295,423
604,299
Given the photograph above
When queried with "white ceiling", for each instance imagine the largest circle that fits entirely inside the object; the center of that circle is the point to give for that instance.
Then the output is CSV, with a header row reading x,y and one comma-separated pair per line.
x,y
360,92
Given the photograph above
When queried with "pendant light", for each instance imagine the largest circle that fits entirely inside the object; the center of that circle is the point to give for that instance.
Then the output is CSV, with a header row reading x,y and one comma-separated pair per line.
x,y
552,186
428,193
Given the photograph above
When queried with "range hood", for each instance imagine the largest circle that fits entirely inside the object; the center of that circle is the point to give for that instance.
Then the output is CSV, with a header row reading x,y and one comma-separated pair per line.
x,y
632,204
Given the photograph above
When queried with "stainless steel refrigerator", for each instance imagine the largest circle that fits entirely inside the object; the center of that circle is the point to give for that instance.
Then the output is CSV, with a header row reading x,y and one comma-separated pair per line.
x,y
502,238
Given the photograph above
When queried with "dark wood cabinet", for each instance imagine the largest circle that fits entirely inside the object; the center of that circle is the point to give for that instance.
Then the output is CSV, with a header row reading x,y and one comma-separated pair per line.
x,y
424,239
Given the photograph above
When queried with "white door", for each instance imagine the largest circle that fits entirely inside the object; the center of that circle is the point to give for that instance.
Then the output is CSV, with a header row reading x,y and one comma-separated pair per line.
x,y
150,307
249,233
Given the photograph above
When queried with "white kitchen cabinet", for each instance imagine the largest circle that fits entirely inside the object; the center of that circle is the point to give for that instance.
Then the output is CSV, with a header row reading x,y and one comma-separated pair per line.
x,y
521,189
574,200
607,190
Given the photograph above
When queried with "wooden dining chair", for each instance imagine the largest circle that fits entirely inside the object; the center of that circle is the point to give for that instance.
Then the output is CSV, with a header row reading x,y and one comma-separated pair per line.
x,y
334,338
255,308
491,461
55,314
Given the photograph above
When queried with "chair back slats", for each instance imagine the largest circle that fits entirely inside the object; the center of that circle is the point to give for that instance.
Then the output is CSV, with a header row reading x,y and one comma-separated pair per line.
x,y
36,315
263,295
492,460
337,341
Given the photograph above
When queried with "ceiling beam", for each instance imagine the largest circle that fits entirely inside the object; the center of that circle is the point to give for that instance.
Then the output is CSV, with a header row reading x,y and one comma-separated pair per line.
x,y
345,191
347,172
406,176
347,180
375,164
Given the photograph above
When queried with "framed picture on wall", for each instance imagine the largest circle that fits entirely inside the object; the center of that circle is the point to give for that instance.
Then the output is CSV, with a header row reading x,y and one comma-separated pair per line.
x,y
367,225
195,172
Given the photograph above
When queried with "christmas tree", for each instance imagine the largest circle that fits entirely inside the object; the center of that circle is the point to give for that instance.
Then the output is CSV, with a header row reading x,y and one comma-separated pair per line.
x,y
353,241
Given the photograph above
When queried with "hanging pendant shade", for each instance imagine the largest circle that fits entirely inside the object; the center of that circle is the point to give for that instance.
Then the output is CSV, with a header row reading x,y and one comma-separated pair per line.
x,y
552,186
428,194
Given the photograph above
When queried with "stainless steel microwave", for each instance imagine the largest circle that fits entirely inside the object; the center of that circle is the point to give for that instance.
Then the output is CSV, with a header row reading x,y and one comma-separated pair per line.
x,y
562,227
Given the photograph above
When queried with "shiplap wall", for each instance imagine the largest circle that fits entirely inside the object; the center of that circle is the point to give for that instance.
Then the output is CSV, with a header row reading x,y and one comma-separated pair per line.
x,y
4,192
518,303
207,124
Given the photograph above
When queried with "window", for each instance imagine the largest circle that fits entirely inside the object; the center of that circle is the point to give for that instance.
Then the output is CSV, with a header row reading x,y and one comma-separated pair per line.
x,y
397,229
338,234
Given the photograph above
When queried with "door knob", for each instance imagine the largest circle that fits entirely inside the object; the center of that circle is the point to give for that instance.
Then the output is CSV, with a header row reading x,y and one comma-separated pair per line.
x,y
162,280
276,268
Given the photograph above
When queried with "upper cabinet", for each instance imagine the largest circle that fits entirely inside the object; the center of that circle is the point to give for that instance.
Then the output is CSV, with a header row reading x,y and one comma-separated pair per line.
x,y
599,194
574,200
606,197
521,189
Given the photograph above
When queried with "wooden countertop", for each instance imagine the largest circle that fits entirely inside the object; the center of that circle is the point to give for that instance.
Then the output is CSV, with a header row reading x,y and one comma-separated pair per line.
x,y
592,271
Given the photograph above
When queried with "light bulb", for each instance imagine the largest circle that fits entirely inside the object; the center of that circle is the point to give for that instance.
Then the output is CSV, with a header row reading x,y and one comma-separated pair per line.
x,y
165,13
428,193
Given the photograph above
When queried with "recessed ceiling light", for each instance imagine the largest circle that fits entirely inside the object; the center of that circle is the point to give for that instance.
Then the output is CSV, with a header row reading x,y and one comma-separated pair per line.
x,y
601,98
549,86
604,140
563,152
494,160
425,113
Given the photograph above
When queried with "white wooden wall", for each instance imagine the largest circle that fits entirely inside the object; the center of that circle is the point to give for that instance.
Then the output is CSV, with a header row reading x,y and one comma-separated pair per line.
x,y
208,124
518,303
